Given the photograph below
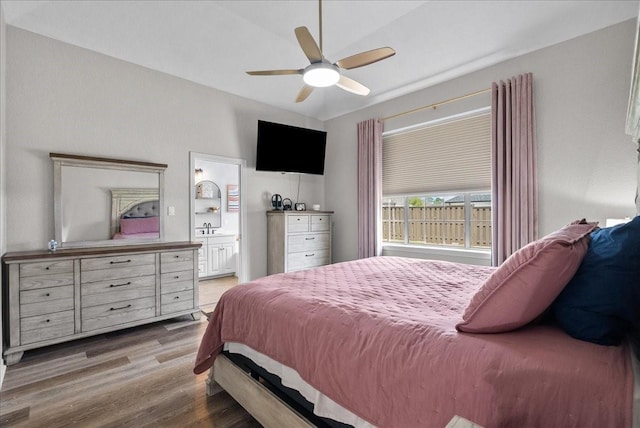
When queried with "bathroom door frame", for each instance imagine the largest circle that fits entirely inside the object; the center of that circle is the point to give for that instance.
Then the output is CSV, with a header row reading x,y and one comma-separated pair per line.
x,y
242,233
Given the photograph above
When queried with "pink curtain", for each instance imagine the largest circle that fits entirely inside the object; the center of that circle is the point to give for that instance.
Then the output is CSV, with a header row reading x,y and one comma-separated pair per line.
x,y
369,187
514,189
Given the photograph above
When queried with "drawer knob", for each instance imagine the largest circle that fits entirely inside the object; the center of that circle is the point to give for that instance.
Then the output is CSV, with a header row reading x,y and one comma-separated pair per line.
x,y
120,285
47,268
47,320
176,277
48,294
310,255
177,257
119,261
177,297
123,307
309,239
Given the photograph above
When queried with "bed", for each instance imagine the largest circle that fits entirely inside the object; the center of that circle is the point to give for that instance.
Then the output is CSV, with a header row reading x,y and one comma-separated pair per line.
x,y
135,214
400,342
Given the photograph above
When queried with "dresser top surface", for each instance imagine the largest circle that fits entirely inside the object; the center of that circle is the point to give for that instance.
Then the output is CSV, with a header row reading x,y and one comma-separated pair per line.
x,y
294,212
20,256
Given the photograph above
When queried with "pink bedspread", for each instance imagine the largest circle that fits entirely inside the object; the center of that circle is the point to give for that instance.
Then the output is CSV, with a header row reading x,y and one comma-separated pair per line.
x,y
378,337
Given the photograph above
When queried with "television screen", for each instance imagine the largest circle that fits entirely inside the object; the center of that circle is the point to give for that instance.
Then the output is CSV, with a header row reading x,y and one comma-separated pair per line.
x,y
287,148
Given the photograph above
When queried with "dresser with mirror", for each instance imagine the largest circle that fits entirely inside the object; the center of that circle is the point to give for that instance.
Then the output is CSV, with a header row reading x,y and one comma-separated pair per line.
x,y
109,267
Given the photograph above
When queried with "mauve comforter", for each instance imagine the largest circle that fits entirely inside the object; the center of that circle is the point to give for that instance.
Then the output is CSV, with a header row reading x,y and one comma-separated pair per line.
x,y
378,337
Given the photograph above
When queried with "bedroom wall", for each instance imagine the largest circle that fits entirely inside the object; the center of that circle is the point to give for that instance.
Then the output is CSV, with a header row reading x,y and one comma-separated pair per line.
x,y
65,99
586,163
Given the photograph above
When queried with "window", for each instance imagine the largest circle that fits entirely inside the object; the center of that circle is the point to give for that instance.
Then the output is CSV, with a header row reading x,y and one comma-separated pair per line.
x,y
436,183
461,220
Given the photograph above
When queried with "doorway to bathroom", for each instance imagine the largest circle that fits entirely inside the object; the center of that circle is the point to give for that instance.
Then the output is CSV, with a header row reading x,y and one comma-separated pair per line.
x,y
218,222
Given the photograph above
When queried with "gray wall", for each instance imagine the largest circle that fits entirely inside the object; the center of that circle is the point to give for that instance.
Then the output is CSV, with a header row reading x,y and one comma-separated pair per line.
x,y
61,98
586,163
65,99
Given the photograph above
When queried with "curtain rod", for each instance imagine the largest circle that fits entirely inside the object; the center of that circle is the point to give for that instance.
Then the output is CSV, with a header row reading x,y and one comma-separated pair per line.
x,y
435,105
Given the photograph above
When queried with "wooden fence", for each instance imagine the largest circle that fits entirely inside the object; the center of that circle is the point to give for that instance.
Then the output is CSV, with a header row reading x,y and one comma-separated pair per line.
x,y
440,225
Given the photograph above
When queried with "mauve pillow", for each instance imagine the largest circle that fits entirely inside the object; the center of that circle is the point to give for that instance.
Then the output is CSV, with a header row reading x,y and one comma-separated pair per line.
x,y
130,226
526,284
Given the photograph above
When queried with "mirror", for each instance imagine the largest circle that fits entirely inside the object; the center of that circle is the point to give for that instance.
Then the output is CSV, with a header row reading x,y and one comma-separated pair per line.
x,y
208,204
103,201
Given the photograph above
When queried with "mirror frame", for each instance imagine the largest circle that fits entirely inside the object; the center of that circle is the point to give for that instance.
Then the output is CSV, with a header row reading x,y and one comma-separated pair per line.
x,y
632,126
60,160
633,109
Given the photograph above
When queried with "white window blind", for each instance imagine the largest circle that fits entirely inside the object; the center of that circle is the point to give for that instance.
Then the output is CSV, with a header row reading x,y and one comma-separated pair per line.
x,y
453,155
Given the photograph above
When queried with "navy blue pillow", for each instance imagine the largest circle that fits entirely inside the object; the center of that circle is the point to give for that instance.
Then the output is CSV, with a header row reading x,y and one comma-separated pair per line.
x,y
601,303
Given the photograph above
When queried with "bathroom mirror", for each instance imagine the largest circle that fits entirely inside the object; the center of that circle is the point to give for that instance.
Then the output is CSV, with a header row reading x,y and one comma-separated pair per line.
x,y
104,201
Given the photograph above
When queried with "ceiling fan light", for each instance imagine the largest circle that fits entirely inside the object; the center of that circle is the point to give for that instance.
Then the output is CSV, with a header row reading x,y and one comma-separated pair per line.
x,y
321,75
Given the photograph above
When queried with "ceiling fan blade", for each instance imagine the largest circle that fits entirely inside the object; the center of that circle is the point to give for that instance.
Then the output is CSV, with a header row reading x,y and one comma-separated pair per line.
x,y
273,72
308,44
352,86
365,58
304,93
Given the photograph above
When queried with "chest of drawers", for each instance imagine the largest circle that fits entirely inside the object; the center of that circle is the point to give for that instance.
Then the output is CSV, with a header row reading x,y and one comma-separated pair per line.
x,y
298,240
46,296
116,290
72,293
177,274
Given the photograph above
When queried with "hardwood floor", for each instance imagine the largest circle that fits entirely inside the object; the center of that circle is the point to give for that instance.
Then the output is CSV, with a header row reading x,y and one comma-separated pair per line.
x,y
136,377
210,290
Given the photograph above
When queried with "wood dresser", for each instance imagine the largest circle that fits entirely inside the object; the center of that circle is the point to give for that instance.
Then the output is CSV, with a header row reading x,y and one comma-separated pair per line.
x,y
53,297
298,240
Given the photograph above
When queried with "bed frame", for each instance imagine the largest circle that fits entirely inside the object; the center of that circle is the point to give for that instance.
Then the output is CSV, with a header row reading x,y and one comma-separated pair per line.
x,y
264,405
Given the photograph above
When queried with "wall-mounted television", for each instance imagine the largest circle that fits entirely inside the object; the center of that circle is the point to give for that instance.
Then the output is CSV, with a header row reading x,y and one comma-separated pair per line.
x,y
286,148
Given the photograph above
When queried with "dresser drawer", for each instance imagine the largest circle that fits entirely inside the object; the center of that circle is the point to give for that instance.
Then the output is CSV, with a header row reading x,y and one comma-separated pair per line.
x,y
172,282
320,223
112,314
46,268
298,223
176,261
117,272
46,294
45,327
46,281
307,259
174,302
110,291
305,242
126,261
58,301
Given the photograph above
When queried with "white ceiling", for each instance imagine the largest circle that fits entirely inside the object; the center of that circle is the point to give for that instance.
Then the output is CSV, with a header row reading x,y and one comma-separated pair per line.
x,y
214,42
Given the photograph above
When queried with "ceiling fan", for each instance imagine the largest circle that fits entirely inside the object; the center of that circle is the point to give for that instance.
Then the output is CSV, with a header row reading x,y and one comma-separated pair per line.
x,y
321,72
